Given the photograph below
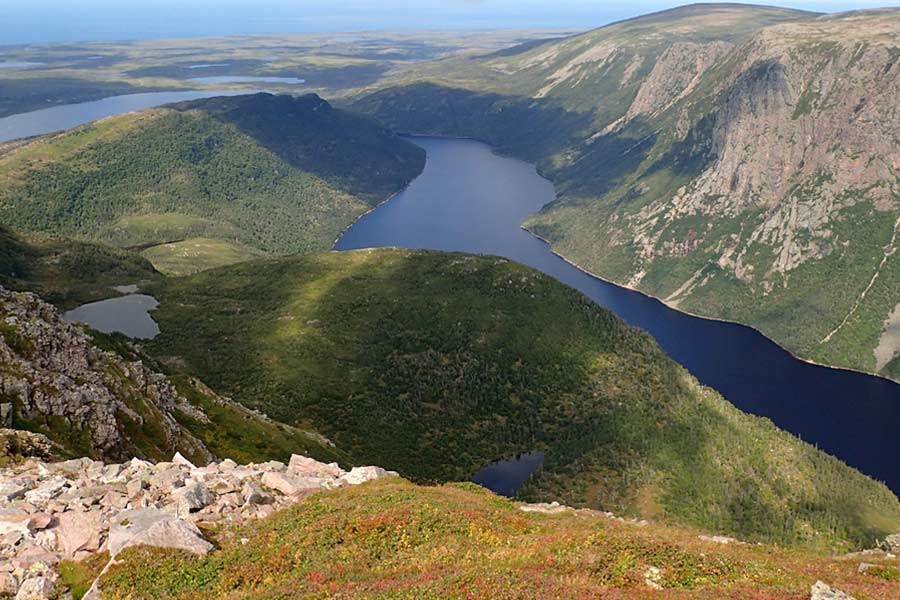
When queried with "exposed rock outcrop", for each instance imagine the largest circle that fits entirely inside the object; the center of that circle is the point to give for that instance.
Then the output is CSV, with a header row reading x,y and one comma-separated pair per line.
x,y
16,445
822,591
675,75
54,379
798,130
769,163
72,510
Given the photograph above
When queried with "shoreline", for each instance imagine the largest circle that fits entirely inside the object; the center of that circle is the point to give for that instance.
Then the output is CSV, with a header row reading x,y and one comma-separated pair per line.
x,y
792,354
382,202
585,271
371,210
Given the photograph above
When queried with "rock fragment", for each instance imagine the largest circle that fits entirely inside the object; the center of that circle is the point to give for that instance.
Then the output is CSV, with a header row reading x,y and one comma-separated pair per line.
x,y
36,588
358,475
78,508
822,591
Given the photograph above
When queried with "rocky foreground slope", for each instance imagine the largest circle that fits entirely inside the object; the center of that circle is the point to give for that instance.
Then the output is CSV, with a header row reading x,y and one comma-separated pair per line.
x,y
81,509
57,380
307,530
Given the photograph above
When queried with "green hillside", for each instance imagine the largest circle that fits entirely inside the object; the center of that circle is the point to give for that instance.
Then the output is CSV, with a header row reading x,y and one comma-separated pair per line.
x,y
96,395
735,161
574,86
277,174
435,364
67,272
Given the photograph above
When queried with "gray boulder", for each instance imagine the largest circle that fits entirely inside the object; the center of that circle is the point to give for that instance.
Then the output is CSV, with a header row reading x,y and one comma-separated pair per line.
x,y
9,585
822,591
36,588
292,486
152,527
192,497
11,491
48,490
253,494
358,475
181,461
305,466
80,533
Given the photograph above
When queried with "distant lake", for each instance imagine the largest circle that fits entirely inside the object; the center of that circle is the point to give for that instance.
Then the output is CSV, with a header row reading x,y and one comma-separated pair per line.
x,y
247,79
57,118
208,66
14,64
128,314
346,39
471,200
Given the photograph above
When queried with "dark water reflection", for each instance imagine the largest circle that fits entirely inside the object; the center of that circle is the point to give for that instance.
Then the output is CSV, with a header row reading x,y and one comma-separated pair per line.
x,y
505,477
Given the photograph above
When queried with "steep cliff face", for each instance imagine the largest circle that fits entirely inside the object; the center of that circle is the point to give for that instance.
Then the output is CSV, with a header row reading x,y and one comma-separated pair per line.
x,y
675,75
777,172
738,162
797,134
802,100
54,380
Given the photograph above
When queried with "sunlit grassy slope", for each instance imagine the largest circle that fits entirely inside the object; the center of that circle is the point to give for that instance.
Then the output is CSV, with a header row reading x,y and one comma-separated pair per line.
x,y
434,364
67,272
197,254
391,539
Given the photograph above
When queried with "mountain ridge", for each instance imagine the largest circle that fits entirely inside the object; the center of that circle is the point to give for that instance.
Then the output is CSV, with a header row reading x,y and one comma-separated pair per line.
x,y
259,174
630,135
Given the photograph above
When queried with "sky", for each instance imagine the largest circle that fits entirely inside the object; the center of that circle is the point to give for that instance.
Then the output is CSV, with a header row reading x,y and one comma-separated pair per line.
x,y
28,21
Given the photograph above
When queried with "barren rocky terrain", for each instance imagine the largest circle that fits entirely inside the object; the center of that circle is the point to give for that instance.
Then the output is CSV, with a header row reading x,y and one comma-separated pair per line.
x,y
80,509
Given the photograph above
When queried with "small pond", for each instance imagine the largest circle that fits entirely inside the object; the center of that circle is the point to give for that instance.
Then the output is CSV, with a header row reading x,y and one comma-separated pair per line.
x,y
505,477
127,314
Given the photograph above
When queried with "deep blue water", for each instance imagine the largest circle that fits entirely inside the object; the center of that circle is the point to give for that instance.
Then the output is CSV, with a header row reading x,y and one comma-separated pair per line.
x,y
57,118
505,477
470,199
